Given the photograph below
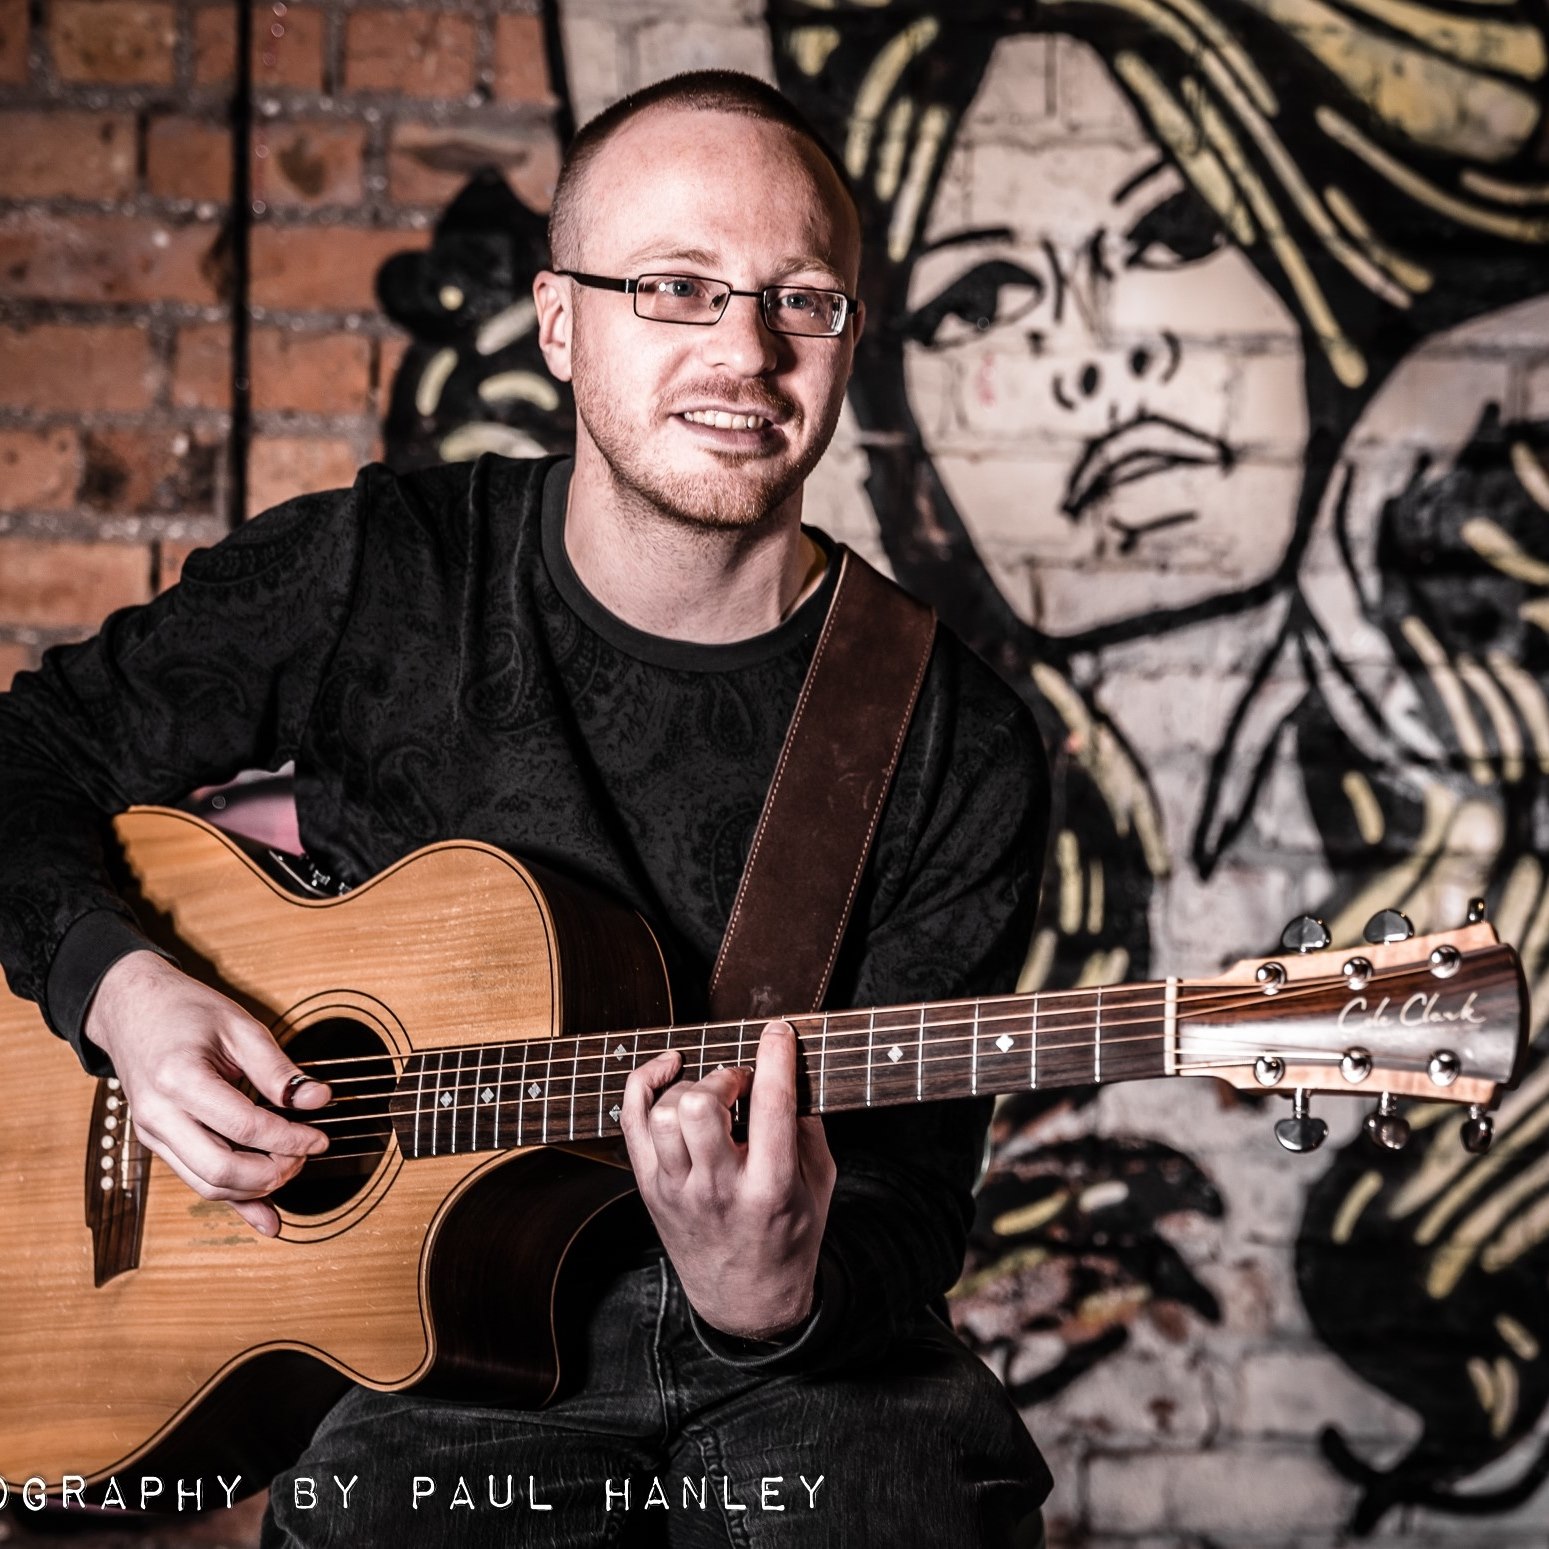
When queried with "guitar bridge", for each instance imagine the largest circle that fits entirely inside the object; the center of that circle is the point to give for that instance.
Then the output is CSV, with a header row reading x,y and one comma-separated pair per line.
x,y
115,1184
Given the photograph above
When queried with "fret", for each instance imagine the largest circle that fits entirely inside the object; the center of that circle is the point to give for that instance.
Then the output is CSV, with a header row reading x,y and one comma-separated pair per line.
x,y
480,1102
435,1101
1032,1047
742,1028
919,1059
602,1084
1097,1038
500,1093
823,1067
419,1103
704,1038
521,1093
973,1070
575,1080
541,1097
1065,1039
871,1046
847,1074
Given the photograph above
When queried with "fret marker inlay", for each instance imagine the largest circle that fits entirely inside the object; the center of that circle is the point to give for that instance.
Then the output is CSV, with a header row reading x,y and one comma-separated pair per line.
x,y
613,1113
618,1052
487,1095
446,1099
895,1054
1005,1043
534,1090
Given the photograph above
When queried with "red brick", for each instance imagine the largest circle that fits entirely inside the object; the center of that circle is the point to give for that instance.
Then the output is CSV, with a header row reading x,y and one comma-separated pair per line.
x,y
281,466
324,268
14,658
521,64
201,367
39,469
429,163
293,59
110,258
416,53
116,42
188,158
13,42
313,373
46,584
77,155
308,163
63,367
142,472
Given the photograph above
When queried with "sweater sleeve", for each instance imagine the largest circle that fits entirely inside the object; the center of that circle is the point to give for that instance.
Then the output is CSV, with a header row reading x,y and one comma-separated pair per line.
x,y
216,675
958,924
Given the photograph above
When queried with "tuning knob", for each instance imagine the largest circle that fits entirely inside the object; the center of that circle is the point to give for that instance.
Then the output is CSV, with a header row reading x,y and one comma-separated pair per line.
x,y
1305,934
1477,1130
1388,925
1476,911
1386,1126
1301,1132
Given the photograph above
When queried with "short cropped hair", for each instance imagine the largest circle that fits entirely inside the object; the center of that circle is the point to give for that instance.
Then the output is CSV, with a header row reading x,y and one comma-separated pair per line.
x,y
703,91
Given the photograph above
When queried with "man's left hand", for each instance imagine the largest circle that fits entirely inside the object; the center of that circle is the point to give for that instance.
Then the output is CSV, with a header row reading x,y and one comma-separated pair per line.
x,y
742,1223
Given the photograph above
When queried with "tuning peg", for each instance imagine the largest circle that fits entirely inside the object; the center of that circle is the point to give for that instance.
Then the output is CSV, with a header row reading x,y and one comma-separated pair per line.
x,y
1476,911
1478,1130
1305,934
1386,1126
1388,925
1301,1132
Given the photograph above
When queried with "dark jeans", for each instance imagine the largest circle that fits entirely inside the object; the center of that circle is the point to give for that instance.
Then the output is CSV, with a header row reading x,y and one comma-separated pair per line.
x,y
924,1448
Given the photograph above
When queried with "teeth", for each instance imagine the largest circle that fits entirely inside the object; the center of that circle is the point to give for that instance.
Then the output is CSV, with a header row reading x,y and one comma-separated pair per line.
x,y
719,419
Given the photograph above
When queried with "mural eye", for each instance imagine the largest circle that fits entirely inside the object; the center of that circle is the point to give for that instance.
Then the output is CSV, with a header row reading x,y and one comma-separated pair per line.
x,y
990,295
1180,230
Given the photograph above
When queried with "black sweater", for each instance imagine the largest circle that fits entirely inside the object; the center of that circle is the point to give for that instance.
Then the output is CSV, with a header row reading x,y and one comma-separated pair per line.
x,y
422,649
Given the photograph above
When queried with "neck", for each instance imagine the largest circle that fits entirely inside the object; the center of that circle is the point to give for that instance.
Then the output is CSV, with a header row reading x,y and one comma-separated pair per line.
x,y
670,578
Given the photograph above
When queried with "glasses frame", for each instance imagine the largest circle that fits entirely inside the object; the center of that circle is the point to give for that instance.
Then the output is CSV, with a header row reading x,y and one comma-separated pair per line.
x,y
631,288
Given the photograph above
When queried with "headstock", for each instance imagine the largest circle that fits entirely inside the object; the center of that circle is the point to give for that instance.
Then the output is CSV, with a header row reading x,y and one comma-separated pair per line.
x,y
1441,1017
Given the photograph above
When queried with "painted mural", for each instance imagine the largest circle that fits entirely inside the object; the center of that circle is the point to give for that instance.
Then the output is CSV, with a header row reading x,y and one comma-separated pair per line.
x,y
1192,395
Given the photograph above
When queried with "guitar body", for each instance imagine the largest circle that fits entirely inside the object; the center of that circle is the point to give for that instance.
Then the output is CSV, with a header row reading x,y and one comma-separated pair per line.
x,y
145,1329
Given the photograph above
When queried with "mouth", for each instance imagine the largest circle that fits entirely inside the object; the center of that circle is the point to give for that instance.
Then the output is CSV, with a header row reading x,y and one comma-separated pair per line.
x,y
1141,448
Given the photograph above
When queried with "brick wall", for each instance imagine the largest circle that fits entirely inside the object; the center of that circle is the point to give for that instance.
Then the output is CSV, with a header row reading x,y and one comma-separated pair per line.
x,y
117,263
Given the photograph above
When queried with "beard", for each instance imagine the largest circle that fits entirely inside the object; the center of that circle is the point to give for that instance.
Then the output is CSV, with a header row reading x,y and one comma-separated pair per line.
x,y
739,495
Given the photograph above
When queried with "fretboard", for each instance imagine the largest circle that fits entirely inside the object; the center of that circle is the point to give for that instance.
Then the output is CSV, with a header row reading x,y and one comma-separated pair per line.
x,y
543,1091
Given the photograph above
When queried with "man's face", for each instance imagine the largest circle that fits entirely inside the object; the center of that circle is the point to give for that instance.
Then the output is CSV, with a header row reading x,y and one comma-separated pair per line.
x,y
723,197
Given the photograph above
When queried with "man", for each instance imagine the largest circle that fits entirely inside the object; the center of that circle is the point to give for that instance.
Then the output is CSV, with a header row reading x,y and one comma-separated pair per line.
x,y
594,665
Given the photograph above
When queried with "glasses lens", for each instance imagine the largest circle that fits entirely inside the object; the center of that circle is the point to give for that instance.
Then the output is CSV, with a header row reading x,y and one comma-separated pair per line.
x,y
680,298
797,309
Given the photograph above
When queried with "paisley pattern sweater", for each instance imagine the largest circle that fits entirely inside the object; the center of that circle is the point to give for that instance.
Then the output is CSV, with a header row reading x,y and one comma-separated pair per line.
x,y
422,649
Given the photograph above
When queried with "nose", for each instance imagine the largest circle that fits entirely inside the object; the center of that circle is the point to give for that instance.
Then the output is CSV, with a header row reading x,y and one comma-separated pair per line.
x,y
741,342
1112,373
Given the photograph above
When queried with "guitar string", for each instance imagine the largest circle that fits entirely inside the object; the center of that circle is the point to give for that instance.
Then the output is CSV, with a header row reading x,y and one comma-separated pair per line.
x,y
1217,999
1121,1070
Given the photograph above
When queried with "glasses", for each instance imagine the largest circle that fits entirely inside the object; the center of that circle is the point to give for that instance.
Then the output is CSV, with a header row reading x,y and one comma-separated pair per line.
x,y
692,299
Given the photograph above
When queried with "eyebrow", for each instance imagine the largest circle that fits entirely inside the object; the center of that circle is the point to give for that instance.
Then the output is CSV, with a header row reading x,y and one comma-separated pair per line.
x,y
701,259
973,234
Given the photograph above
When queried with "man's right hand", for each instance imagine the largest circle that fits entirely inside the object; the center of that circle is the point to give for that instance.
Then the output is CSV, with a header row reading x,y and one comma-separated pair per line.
x,y
179,1047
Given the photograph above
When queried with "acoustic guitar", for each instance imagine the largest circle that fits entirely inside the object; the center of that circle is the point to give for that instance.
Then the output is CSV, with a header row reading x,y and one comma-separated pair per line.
x,y
477,1019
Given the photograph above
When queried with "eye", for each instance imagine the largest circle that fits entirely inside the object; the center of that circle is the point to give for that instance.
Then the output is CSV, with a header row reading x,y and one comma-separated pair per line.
x,y
990,295
679,287
1180,230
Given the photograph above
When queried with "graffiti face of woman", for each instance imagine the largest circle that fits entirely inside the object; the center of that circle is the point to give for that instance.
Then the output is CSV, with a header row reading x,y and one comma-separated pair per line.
x,y
1111,394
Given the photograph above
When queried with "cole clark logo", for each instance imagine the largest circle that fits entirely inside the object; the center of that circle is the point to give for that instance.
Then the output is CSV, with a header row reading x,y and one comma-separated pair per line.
x,y
1420,1010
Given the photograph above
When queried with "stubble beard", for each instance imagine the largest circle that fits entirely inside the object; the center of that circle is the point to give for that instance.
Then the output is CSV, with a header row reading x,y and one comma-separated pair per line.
x,y
742,499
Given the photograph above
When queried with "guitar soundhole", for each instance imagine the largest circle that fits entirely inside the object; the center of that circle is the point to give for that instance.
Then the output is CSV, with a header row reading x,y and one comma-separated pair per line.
x,y
353,1060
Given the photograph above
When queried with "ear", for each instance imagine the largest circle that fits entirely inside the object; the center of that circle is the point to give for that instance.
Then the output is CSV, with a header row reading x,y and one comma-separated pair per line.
x,y
554,299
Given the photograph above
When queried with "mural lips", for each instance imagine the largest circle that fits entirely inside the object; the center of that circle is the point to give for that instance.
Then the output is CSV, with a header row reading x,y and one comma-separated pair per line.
x,y
1143,447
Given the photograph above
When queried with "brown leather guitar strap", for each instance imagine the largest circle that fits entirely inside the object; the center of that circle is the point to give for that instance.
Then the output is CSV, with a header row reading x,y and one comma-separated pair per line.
x,y
821,813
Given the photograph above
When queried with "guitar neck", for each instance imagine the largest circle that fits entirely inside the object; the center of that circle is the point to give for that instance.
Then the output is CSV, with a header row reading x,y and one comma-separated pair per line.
x,y
571,1088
